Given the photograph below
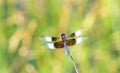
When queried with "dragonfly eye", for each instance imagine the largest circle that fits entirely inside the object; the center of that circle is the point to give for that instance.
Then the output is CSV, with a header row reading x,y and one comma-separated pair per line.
x,y
63,35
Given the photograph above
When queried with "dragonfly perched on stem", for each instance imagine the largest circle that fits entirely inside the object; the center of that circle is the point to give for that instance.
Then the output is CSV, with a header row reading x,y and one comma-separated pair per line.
x,y
63,42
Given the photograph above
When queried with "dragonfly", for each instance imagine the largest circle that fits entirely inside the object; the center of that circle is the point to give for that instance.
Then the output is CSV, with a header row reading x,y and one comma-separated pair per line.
x,y
64,41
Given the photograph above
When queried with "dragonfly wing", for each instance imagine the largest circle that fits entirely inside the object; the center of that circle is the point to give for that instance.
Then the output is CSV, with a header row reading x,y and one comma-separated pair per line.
x,y
55,45
71,42
49,39
77,33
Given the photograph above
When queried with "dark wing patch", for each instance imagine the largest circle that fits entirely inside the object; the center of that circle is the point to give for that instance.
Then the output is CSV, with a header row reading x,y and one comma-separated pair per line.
x,y
71,42
59,44
55,38
72,35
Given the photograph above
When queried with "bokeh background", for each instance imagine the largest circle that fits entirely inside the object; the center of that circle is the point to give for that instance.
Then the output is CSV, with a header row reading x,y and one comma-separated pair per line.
x,y
22,22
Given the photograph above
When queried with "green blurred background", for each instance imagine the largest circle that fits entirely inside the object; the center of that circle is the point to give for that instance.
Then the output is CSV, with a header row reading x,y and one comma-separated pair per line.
x,y
23,21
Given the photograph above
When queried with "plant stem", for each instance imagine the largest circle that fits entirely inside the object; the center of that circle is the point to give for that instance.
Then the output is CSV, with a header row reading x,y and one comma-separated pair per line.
x,y
75,66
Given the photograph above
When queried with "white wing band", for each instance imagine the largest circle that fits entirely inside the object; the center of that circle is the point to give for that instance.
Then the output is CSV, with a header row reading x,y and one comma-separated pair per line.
x,y
77,33
49,39
51,45
78,40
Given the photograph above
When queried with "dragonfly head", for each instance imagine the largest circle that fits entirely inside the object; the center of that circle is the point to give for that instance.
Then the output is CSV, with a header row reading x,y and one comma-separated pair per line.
x,y
63,37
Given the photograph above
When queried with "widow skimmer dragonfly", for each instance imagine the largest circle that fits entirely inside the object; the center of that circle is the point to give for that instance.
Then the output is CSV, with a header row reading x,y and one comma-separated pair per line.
x,y
64,41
